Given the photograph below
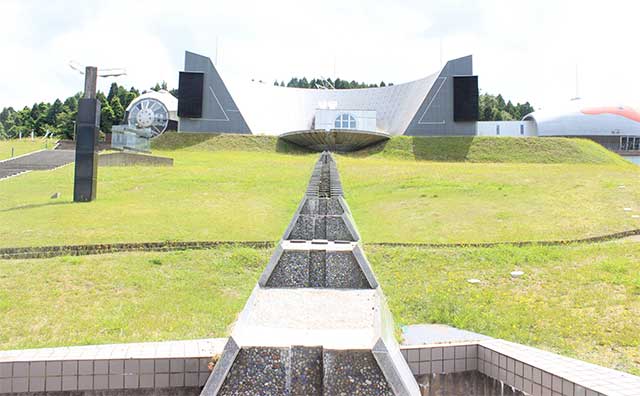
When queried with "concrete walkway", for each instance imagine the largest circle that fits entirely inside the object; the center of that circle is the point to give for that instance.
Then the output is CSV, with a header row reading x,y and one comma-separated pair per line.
x,y
37,160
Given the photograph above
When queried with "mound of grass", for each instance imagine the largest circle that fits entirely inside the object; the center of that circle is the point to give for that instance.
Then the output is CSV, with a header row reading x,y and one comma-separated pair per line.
x,y
220,195
405,201
125,297
224,142
493,149
580,300
23,146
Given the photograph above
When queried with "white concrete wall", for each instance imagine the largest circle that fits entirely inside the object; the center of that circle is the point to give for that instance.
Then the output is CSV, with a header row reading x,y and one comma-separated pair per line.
x,y
507,128
365,119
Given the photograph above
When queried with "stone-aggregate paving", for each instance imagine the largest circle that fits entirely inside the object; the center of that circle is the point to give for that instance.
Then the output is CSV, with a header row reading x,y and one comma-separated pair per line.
x,y
317,312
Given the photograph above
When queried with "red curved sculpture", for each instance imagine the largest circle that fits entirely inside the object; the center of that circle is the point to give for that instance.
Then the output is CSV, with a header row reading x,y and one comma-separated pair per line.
x,y
624,111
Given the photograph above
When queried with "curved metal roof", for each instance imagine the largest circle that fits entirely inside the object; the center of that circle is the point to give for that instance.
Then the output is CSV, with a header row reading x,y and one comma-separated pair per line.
x,y
272,109
581,118
165,97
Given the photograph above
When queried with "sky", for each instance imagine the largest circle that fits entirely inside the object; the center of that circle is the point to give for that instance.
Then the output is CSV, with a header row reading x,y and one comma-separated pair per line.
x,y
525,50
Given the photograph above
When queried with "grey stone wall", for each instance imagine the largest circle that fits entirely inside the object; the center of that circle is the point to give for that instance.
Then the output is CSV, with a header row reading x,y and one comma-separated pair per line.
x,y
435,115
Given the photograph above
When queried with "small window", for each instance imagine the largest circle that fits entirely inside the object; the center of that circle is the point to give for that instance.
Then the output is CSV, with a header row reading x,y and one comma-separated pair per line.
x,y
521,129
345,121
497,129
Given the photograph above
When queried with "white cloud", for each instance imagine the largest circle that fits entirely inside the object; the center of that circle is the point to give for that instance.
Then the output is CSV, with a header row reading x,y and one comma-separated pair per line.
x,y
524,50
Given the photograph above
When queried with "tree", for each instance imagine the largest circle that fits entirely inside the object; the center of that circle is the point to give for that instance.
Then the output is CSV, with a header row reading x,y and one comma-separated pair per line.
x,y
53,111
382,84
118,110
65,123
160,86
106,113
113,91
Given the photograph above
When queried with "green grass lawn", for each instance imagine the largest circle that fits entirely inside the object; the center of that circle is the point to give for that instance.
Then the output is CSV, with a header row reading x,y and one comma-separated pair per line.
x,y
580,300
205,196
23,146
124,297
492,149
251,195
401,201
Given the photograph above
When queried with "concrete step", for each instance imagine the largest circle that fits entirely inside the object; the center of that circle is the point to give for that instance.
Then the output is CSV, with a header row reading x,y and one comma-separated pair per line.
x,y
318,265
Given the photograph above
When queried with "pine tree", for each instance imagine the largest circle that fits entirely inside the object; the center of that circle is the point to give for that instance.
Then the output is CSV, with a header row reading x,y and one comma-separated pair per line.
x,y
118,110
113,91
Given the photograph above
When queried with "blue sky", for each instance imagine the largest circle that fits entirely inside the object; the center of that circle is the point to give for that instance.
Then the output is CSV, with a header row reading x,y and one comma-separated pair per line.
x,y
526,50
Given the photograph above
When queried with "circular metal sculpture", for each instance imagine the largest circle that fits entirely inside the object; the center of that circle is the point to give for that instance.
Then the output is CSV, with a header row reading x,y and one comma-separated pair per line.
x,y
149,113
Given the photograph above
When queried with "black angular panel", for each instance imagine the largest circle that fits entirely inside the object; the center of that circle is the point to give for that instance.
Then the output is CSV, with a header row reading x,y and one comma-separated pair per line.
x,y
465,98
190,88
86,165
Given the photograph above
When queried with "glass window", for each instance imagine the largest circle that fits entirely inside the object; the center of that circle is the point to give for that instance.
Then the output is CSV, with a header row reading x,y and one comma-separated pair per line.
x,y
521,129
345,121
497,129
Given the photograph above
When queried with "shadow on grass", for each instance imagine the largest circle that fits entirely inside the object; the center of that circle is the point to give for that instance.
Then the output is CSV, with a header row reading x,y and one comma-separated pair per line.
x,y
34,206
177,141
286,147
450,149
421,148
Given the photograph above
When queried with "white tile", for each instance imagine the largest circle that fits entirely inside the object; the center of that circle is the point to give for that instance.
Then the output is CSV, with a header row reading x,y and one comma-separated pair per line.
x,y
162,380
131,366
413,355
131,381
36,384
5,385
69,382
53,368
146,380
191,379
449,353
69,368
472,351
53,383
176,365
116,381
460,352
85,382
191,365
100,381
116,366
162,365
20,384
449,366
176,380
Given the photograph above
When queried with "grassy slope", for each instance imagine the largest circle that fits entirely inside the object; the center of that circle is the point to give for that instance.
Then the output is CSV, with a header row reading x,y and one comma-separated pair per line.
x,y
224,142
23,146
215,191
493,149
579,300
205,196
125,297
583,301
399,201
